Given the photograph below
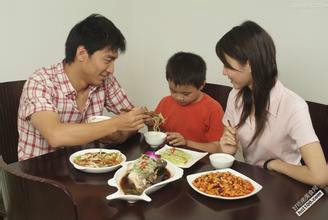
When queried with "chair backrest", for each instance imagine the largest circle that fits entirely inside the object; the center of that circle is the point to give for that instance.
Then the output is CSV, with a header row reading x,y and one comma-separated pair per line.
x,y
32,198
319,117
218,92
318,112
10,93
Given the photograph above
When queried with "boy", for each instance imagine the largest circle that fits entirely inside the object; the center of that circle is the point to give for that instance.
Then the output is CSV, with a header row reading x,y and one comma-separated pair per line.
x,y
192,118
57,101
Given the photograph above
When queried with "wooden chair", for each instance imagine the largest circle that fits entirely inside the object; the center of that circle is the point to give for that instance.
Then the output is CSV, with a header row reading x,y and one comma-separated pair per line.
x,y
28,197
218,92
319,117
10,93
318,112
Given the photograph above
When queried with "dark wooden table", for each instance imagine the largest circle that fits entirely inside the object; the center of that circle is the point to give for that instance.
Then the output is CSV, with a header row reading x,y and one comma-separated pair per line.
x,y
176,200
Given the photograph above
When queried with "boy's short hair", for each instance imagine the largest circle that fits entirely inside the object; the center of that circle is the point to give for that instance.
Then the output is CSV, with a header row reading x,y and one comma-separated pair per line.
x,y
186,69
95,32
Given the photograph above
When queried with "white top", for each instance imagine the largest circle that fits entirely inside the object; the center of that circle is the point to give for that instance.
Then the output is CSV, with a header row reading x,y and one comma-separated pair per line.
x,y
288,127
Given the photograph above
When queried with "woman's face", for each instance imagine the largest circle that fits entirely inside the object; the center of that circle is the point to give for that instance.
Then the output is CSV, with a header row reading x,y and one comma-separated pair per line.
x,y
240,76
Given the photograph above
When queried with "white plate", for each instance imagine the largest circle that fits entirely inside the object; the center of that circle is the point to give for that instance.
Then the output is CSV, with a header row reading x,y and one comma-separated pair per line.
x,y
97,118
93,169
176,173
192,177
195,156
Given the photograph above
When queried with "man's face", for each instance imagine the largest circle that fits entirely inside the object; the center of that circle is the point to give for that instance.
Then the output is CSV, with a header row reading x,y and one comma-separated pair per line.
x,y
99,66
184,94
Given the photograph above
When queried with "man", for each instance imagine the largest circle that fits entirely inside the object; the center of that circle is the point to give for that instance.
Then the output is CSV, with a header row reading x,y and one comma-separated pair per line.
x,y
57,101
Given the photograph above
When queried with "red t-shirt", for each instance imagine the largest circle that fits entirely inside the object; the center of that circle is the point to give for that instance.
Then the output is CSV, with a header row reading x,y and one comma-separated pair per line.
x,y
200,121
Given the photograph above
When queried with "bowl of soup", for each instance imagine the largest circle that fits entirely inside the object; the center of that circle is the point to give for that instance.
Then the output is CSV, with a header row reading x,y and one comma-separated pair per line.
x,y
221,160
155,138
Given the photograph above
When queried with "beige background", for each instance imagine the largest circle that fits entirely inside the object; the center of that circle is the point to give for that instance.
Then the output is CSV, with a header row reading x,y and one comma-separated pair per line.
x,y
33,34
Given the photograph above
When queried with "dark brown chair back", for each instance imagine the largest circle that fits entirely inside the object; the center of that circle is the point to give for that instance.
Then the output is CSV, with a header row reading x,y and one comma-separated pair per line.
x,y
319,117
218,92
10,93
28,197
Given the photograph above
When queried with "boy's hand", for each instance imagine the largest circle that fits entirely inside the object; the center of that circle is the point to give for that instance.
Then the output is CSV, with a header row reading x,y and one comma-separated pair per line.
x,y
175,139
228,141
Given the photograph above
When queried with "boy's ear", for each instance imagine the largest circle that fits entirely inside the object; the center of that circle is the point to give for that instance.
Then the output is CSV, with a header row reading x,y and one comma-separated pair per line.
x,y
81,54
202,86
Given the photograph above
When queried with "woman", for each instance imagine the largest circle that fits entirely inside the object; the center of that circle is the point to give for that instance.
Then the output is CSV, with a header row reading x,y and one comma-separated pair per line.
x,y
271,123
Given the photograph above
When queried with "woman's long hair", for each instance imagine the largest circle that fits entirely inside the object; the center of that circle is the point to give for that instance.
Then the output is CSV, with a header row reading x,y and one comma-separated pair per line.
x,y
251,43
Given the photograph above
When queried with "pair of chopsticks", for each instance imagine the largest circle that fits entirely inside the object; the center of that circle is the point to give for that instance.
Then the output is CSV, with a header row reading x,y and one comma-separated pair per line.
x,y
150,113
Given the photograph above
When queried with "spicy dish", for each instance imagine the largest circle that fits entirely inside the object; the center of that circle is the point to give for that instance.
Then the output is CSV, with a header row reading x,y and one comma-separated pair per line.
x,y
97,160
223,184
142,176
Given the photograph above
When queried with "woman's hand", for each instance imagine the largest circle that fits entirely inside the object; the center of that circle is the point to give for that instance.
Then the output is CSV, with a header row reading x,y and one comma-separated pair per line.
x,y
228,141
175,139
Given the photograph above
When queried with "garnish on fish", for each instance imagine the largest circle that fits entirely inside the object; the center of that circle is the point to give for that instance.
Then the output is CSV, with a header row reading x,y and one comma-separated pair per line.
x,y
142,173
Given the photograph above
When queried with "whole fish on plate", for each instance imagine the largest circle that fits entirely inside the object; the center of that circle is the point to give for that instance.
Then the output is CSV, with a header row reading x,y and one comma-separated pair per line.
x,y
143,173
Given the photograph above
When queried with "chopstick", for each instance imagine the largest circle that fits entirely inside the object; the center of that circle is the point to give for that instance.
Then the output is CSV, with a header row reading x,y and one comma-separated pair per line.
x,y
125,110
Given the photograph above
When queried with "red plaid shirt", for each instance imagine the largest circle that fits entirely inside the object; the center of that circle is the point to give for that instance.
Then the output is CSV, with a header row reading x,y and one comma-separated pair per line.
x,y
49,89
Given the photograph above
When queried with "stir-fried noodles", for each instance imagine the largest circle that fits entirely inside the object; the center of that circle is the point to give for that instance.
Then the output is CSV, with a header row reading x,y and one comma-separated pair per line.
x,y
157,120
98,159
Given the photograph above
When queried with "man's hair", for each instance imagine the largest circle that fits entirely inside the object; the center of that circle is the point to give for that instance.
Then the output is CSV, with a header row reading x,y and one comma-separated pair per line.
x,y
95,32
186,69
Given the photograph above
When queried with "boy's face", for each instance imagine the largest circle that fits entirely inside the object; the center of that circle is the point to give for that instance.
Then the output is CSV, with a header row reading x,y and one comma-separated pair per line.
x,y
99,66
185,94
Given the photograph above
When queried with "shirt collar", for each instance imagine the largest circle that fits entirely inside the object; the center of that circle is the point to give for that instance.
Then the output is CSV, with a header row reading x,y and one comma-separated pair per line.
x,y
64,82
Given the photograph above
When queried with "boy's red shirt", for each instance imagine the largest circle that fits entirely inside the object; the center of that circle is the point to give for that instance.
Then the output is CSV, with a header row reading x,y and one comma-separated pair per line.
x,y
200,121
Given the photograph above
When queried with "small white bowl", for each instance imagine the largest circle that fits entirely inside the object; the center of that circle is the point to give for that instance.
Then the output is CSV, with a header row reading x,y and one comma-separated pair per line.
x,y
221,160
97,118
155,138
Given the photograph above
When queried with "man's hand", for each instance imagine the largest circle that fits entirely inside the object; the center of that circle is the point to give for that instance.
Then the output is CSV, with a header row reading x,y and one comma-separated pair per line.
x,y
132,120
115,138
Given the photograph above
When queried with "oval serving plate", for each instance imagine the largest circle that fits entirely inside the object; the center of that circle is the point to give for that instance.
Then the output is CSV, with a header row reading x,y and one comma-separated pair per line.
x,y
192,177
96,169
176,173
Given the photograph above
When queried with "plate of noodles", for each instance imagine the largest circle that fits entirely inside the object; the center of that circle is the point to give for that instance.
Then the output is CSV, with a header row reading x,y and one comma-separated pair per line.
x,y
97,160
223,184
180,157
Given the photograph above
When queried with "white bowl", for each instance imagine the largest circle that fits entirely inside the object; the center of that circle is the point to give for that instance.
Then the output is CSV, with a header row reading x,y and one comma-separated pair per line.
x,y
176,173
155,138
221,160
94,169
97,118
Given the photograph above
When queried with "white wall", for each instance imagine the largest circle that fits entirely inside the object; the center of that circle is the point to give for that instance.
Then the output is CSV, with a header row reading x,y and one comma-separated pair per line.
x,y
33,34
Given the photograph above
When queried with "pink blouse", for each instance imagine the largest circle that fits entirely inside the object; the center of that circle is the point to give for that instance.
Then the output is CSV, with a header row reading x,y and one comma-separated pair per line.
x,y
287,129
